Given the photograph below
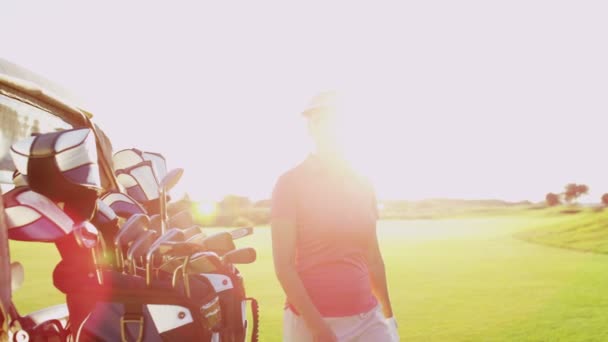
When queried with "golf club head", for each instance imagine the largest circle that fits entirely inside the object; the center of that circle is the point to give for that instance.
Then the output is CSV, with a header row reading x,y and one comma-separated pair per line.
x,y
166,184
191,232
182,220
206,262
17,276
140,247
240,256
171,179
176,249
220,243
198,238
155,222
131,229
86,234
241,233
174,234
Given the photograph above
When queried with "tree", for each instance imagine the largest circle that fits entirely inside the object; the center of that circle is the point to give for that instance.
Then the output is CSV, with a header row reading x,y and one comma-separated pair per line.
x,y
605,200
552,199
570,192
234,203
582,189
573,191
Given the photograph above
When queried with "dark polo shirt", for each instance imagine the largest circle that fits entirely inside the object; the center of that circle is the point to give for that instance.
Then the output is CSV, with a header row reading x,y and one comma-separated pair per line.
x,y
335,214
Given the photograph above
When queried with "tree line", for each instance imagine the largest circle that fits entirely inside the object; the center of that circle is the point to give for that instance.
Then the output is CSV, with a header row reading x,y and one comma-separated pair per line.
x,y
572,192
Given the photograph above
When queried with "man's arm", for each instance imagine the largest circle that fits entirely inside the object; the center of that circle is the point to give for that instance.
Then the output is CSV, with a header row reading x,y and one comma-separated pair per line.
x,y
377,272
375,264
284,246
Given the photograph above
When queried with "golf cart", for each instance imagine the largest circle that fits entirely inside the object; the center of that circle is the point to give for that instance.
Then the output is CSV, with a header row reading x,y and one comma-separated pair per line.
x,y
130,272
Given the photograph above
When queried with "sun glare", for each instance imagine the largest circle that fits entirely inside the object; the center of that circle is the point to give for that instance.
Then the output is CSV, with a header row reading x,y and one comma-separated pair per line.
x,y
359,138
206,208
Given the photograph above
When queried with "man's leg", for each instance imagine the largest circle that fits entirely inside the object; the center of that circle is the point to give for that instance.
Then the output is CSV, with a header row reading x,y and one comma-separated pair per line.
x,y
375,328
367,327
294,328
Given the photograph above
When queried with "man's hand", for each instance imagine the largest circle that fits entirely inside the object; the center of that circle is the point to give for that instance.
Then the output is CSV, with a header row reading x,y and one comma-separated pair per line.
x,y
323,333
392,323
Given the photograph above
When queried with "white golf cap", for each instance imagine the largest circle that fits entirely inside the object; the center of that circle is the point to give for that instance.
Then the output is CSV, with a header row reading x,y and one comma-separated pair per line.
x,y
327,100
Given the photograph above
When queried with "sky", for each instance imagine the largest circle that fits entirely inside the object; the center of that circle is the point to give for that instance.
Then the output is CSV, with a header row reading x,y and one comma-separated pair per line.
x,y
458,99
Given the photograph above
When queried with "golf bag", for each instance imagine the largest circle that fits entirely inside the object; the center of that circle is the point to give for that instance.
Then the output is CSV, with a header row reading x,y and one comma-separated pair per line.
x,y
58,202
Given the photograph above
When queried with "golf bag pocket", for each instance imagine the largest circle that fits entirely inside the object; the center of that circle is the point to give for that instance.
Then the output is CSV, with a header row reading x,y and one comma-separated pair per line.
x,y
61,166
231,292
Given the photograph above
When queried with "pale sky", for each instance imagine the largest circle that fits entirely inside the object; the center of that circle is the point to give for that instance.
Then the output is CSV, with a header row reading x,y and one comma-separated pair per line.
x,y
463,99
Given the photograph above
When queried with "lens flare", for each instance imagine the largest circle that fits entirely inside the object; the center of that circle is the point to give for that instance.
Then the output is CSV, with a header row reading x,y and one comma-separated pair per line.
x,y
206,208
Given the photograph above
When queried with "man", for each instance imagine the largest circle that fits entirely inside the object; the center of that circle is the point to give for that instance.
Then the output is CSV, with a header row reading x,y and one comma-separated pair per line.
x,y
325,247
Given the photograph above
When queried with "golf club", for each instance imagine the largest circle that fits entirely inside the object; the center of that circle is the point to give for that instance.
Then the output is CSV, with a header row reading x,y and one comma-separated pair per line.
x,y
87,237
198,238
240,256
207,261
172,234
241,233
155,222
128,233
139,248
219,243
166,184
176,252
183,220
191,232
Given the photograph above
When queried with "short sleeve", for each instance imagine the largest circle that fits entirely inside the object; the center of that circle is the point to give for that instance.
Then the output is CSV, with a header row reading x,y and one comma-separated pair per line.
x,y
284,200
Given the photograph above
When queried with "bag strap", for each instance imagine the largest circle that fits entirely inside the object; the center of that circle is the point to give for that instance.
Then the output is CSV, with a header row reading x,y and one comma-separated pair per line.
x,y
133,315
255,314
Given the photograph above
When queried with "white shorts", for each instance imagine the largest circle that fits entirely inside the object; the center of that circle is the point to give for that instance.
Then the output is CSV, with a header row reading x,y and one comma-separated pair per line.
x,y
370,326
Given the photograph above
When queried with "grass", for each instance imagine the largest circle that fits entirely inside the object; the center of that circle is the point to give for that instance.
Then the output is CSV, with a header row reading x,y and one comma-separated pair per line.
x,y
465,279
586,230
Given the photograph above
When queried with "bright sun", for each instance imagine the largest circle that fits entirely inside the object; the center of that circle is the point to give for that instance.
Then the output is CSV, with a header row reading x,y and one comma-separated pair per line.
x,y
206,208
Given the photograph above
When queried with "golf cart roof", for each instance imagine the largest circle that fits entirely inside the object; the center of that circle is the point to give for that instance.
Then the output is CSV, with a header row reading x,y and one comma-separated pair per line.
x,y
29,104
22,80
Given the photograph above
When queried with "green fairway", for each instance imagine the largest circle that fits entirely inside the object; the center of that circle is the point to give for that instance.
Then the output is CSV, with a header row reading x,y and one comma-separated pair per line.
x,y
451,280
585,231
